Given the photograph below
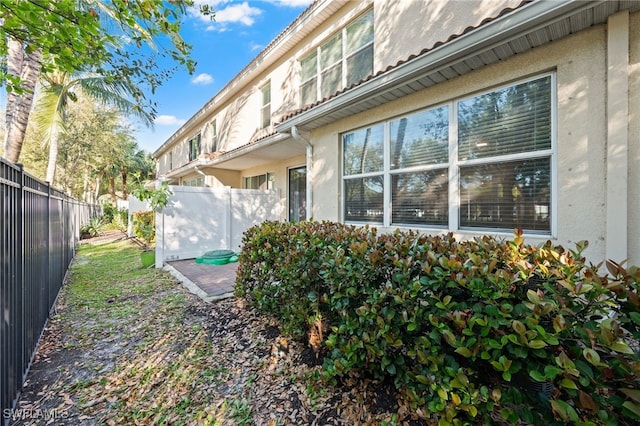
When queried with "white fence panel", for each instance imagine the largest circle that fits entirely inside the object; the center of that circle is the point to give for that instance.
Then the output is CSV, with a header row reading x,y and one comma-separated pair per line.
x,y
198,220
250,207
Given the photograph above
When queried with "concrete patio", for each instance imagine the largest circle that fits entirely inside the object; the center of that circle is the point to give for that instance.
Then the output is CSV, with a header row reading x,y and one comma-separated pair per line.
x,y
210,282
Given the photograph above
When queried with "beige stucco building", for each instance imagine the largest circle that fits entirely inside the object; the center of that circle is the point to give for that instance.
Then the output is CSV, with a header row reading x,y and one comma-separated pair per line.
x,y
473,117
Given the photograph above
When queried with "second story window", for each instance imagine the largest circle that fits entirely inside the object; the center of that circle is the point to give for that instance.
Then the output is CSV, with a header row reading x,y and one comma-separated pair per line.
x,y
210,137
194,147
265,106
344,59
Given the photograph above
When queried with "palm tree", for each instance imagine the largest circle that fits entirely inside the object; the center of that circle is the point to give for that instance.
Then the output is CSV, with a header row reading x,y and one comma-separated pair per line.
x,y
60,88
24,65
140,165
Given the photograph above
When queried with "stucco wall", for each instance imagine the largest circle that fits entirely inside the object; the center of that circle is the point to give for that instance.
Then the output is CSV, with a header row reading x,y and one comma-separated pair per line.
x,y
634,139
581,133
403,28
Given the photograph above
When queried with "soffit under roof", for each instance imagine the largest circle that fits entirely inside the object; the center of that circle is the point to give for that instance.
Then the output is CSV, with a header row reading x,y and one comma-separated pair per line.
x,y
273,148
528,26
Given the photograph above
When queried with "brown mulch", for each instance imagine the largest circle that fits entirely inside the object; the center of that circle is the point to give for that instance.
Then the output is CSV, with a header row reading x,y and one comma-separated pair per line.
x,y
279,379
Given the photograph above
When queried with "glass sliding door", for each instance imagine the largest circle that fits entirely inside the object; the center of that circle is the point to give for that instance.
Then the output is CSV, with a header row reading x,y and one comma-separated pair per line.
x,y
297,194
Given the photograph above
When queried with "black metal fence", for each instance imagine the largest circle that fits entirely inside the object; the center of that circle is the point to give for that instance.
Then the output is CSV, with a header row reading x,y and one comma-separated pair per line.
x,y
40,226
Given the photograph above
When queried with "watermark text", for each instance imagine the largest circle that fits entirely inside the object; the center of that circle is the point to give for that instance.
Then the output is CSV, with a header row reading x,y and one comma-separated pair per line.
x,y
34,414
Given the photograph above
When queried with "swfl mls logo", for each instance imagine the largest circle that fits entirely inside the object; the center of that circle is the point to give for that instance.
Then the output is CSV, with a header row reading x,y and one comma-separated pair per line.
x,y
34,414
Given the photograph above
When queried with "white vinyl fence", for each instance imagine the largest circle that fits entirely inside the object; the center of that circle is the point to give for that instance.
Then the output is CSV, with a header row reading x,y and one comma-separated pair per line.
x,y
198,220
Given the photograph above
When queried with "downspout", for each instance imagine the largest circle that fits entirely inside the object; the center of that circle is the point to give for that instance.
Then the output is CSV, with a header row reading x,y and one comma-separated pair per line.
x,y
297,136
200,172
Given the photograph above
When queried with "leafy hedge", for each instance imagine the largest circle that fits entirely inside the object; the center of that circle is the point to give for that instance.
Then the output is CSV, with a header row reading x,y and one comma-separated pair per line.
x,y
478,331
143,226
112,214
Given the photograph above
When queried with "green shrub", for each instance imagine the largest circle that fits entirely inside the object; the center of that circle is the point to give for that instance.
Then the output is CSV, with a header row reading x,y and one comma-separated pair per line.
x,y
469,331
144,227
93,228
121,219
113,215
108,212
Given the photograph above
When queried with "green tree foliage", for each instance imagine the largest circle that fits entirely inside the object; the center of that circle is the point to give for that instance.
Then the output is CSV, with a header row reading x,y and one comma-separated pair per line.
x,y
106,37
60,89
97,148
121,40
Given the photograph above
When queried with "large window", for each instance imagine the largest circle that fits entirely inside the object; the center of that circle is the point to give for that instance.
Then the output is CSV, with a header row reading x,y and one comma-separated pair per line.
x,y
194,182
195,148
344,59
265,106
401,172
263,181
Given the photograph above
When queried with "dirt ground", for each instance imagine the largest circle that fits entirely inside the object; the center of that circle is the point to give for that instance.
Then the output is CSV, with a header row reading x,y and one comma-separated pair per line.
x,y
261,377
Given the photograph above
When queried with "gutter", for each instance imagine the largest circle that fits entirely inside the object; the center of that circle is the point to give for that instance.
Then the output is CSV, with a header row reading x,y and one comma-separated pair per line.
x,y
309,187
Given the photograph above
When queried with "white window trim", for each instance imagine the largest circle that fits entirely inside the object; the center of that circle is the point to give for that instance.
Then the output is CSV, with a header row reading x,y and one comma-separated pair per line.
x,y
454,168
289,168
189,150
267,175
265,105
342,61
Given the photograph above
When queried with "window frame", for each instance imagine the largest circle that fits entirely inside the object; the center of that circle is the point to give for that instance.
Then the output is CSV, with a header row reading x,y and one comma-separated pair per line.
x,y
197,182
265,107
195,147
213,135
302,170
455,165
342,61
269,180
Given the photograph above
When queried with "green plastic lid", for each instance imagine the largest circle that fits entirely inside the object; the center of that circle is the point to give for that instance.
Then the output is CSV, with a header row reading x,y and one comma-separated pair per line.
x,y
218,254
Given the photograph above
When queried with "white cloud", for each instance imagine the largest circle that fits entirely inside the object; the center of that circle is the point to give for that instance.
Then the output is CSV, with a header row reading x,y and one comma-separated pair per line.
x,y
168,120
235,13
238,13
202,79
255,46
292,3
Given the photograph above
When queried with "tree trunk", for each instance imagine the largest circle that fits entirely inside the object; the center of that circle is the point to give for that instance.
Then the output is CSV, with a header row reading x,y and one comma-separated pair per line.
x,y
27,68
125,189
98,184
112,184
53,155
85,186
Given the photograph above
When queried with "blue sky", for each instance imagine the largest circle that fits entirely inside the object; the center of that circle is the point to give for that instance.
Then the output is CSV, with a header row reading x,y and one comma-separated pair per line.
x,y
221,48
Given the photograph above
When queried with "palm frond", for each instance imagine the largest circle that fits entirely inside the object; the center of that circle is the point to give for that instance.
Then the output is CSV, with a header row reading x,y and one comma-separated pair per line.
x,y
47,115
117,94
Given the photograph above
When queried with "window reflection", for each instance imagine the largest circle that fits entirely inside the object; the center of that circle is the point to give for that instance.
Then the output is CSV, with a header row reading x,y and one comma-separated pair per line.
x,y
364,199
506,195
